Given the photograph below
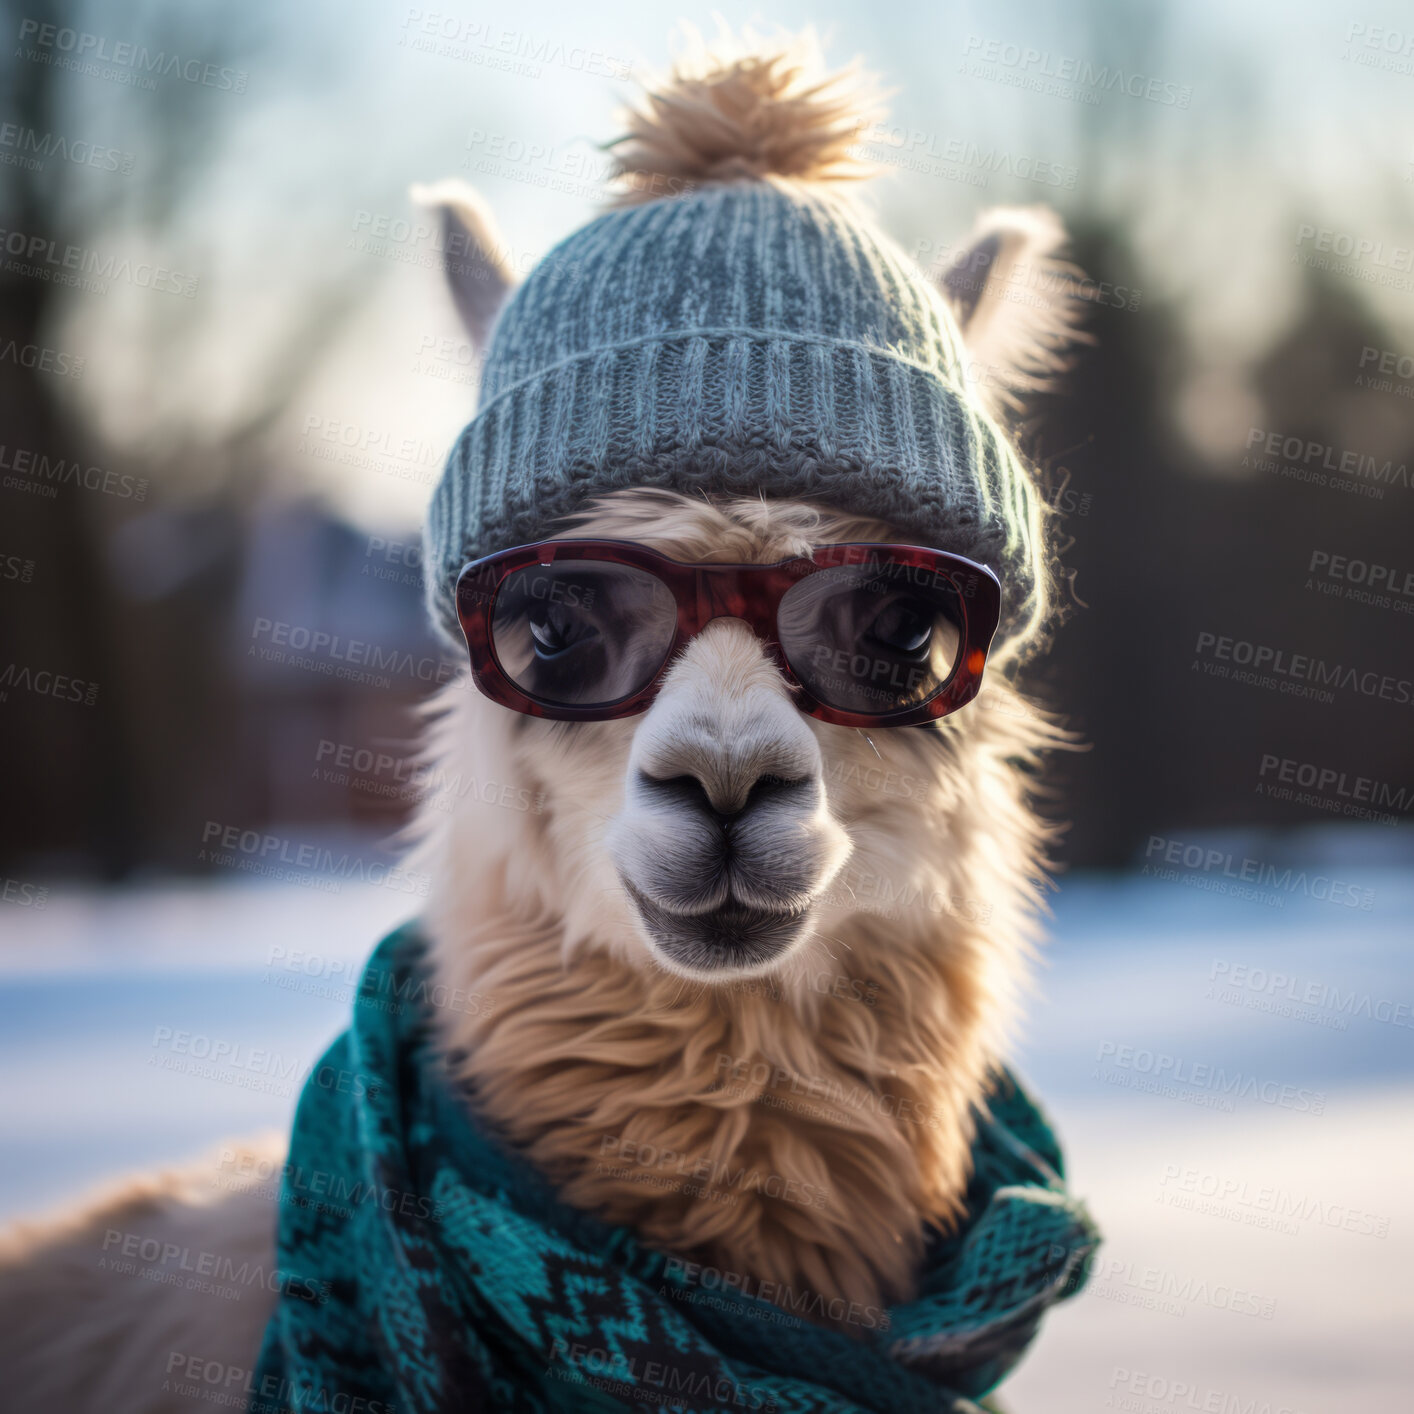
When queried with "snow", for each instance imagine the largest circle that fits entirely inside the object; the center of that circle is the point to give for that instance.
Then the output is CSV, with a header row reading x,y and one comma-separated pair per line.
x,y
1233,1080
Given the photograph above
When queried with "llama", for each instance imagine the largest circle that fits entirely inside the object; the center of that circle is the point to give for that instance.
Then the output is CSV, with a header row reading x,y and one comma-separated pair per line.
x,y
890,881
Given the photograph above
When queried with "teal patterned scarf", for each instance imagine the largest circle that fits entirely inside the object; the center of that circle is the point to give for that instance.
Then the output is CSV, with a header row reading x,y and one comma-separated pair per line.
x,y
451,1278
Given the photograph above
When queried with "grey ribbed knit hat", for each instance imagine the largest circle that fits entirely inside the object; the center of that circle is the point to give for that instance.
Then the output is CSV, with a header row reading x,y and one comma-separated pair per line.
x,y
750,336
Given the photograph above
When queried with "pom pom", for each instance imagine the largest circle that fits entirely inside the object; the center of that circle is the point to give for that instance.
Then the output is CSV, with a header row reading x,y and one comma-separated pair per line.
x,y
746,108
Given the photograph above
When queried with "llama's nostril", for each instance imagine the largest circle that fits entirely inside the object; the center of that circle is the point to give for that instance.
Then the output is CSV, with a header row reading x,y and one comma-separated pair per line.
x,y
710,797
769,786
684,791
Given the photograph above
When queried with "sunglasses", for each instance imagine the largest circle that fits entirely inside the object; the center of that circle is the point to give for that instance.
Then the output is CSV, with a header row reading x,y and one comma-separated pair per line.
x,y
866,635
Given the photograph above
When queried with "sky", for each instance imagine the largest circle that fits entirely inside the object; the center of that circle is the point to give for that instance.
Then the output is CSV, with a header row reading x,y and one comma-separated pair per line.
x,y
1243,126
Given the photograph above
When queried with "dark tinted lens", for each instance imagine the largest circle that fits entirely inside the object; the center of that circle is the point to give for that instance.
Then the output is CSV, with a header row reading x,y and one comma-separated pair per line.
x,y
872,638
582,632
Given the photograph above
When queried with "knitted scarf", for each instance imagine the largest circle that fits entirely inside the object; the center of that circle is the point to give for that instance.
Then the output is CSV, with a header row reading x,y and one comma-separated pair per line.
x,y
446,1275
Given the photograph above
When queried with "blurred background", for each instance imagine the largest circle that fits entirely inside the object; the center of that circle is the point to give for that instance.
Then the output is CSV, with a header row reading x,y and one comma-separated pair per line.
x,y
228,379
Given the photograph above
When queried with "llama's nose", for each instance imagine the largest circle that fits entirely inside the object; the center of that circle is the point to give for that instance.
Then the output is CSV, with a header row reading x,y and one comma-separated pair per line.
x,y
725,826
725,762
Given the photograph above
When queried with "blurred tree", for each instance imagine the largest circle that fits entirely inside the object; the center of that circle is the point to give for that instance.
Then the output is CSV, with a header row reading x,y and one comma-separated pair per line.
x,y
93,778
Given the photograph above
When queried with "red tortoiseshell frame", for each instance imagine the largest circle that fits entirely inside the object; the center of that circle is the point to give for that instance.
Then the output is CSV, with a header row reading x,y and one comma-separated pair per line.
x,y
752,593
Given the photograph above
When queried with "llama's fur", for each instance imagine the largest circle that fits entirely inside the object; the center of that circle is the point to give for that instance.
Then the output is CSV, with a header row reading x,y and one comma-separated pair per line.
x,y
1015,255
96,1313
598,1062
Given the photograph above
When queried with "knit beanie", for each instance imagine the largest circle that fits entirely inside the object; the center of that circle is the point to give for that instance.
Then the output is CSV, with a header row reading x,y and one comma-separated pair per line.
x,y
752,334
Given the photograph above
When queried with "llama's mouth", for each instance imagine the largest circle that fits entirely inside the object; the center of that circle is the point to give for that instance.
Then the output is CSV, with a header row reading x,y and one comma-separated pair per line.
x,y
734,938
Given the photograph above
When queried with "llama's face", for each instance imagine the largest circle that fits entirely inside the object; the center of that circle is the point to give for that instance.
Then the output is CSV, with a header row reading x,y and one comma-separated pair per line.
x,y
724,841
722,833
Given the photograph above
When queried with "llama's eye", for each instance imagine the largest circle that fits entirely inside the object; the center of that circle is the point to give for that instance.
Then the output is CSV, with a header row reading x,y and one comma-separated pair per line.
x,y
905,626
557,631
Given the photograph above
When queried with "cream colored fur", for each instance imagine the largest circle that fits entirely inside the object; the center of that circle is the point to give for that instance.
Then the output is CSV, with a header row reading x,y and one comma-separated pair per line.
x,y
592,1048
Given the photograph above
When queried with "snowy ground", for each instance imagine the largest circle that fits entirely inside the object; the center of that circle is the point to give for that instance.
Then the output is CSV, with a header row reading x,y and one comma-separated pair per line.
x,y
1257,1258
1246,1143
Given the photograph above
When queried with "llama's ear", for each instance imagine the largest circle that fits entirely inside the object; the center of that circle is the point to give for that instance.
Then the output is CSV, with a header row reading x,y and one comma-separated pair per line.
x,y
1017,302
474,256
